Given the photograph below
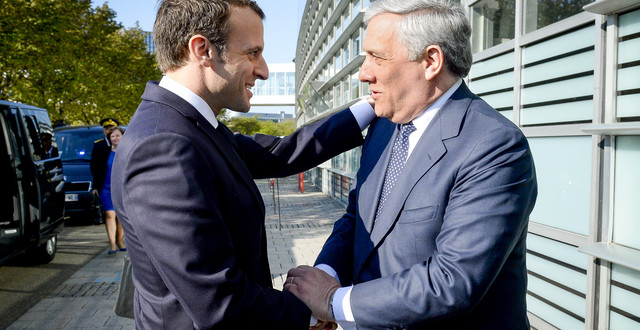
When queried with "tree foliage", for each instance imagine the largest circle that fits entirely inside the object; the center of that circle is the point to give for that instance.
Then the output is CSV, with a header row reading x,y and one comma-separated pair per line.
x,y
251,126
74,60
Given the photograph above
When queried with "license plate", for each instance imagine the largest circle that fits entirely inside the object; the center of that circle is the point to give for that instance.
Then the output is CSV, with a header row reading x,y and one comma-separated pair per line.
x,y
71,197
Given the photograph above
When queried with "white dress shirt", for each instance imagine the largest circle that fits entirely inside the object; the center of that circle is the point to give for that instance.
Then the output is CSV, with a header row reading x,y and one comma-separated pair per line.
x,y
342,298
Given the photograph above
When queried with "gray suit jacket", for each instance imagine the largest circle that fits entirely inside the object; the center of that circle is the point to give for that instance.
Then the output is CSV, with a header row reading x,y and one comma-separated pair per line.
x,y
448,249
193,217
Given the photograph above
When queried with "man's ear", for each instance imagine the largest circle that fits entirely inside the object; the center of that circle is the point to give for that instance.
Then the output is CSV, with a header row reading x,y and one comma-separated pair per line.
x,y
433,61
201,50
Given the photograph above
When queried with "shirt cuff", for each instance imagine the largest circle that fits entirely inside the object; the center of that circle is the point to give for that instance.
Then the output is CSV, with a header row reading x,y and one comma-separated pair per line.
x,y
341,301
329,270
342,308
363,112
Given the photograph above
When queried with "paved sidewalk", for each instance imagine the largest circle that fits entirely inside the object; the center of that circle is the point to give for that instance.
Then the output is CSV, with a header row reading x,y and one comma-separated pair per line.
x,y
295,235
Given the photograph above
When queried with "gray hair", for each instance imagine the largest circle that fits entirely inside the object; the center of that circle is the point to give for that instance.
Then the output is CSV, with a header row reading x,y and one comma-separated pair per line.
x,y
431,22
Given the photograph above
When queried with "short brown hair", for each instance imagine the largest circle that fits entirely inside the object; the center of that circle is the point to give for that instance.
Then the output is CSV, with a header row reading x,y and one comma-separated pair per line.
x,y
178,20
114,128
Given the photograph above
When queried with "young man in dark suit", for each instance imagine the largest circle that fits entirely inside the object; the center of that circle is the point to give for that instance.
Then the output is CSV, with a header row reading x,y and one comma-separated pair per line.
x,y
435,230
182,183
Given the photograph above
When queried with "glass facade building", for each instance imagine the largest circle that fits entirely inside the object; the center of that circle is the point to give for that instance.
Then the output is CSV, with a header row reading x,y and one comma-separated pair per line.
x,y
567,72
275,95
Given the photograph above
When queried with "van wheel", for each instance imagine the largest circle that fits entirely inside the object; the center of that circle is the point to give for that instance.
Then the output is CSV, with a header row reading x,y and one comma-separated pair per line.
x,y
47,251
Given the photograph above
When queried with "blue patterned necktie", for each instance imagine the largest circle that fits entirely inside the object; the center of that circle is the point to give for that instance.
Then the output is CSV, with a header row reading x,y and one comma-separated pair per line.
x,y
396,162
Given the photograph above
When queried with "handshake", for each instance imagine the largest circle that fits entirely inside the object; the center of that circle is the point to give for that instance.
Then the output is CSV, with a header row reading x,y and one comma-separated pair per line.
x,y
315,288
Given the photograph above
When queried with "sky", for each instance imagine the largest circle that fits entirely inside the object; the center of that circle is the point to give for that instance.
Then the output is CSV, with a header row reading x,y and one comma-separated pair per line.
x,y
280,27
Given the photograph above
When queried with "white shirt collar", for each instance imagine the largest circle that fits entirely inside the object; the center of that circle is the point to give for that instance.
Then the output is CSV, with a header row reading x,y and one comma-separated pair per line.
x,y
424,119
188,95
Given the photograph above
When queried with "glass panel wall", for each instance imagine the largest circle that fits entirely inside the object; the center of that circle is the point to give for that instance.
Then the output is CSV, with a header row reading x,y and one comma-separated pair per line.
x,y
625,298
493,80
493,22
540,13
557,79
557,281
626,206
563,168
628,98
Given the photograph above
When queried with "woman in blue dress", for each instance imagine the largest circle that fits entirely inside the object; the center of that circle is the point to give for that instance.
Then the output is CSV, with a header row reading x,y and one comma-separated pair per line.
x,y
114,228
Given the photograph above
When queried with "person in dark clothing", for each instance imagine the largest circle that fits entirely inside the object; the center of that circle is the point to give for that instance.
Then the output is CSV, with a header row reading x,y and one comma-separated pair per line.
x,y
99,156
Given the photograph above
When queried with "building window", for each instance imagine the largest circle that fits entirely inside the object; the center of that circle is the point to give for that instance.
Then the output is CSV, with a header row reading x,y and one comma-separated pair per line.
x,y
291,83
355,44
493,23
626,210
326,73
259,88
347,18
332,38
355,85
345,90
540,13
280,80
345,54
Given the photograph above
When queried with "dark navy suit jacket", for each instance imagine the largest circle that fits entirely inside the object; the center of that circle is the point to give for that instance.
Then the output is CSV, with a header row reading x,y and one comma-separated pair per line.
x,y
448,249
194,219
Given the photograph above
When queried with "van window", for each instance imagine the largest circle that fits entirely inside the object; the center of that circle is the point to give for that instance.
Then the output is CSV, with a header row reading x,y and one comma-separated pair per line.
x,y
37,151
76,145
12,129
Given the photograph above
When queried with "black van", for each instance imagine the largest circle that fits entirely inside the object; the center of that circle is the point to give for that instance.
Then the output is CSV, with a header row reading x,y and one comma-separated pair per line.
x,y
32,184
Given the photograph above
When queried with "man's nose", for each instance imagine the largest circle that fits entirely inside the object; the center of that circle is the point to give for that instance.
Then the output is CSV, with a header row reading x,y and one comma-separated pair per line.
x,y
365,74
261,70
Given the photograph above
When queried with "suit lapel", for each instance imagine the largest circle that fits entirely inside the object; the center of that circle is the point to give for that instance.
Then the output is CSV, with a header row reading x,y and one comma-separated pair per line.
x,y
377,158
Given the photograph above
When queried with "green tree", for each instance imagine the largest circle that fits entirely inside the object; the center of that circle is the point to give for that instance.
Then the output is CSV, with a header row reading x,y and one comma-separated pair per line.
x,y
279,129
74,60
244,125
251,125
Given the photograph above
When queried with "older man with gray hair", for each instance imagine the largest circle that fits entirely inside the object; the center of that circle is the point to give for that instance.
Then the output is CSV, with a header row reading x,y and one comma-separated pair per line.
x,y
434,233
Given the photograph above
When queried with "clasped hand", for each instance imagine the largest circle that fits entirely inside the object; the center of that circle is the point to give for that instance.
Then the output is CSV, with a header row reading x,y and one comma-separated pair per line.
x,y
315,288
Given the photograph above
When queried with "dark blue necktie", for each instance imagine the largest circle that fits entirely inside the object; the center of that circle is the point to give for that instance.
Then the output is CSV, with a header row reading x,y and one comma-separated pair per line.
x,y
396,162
